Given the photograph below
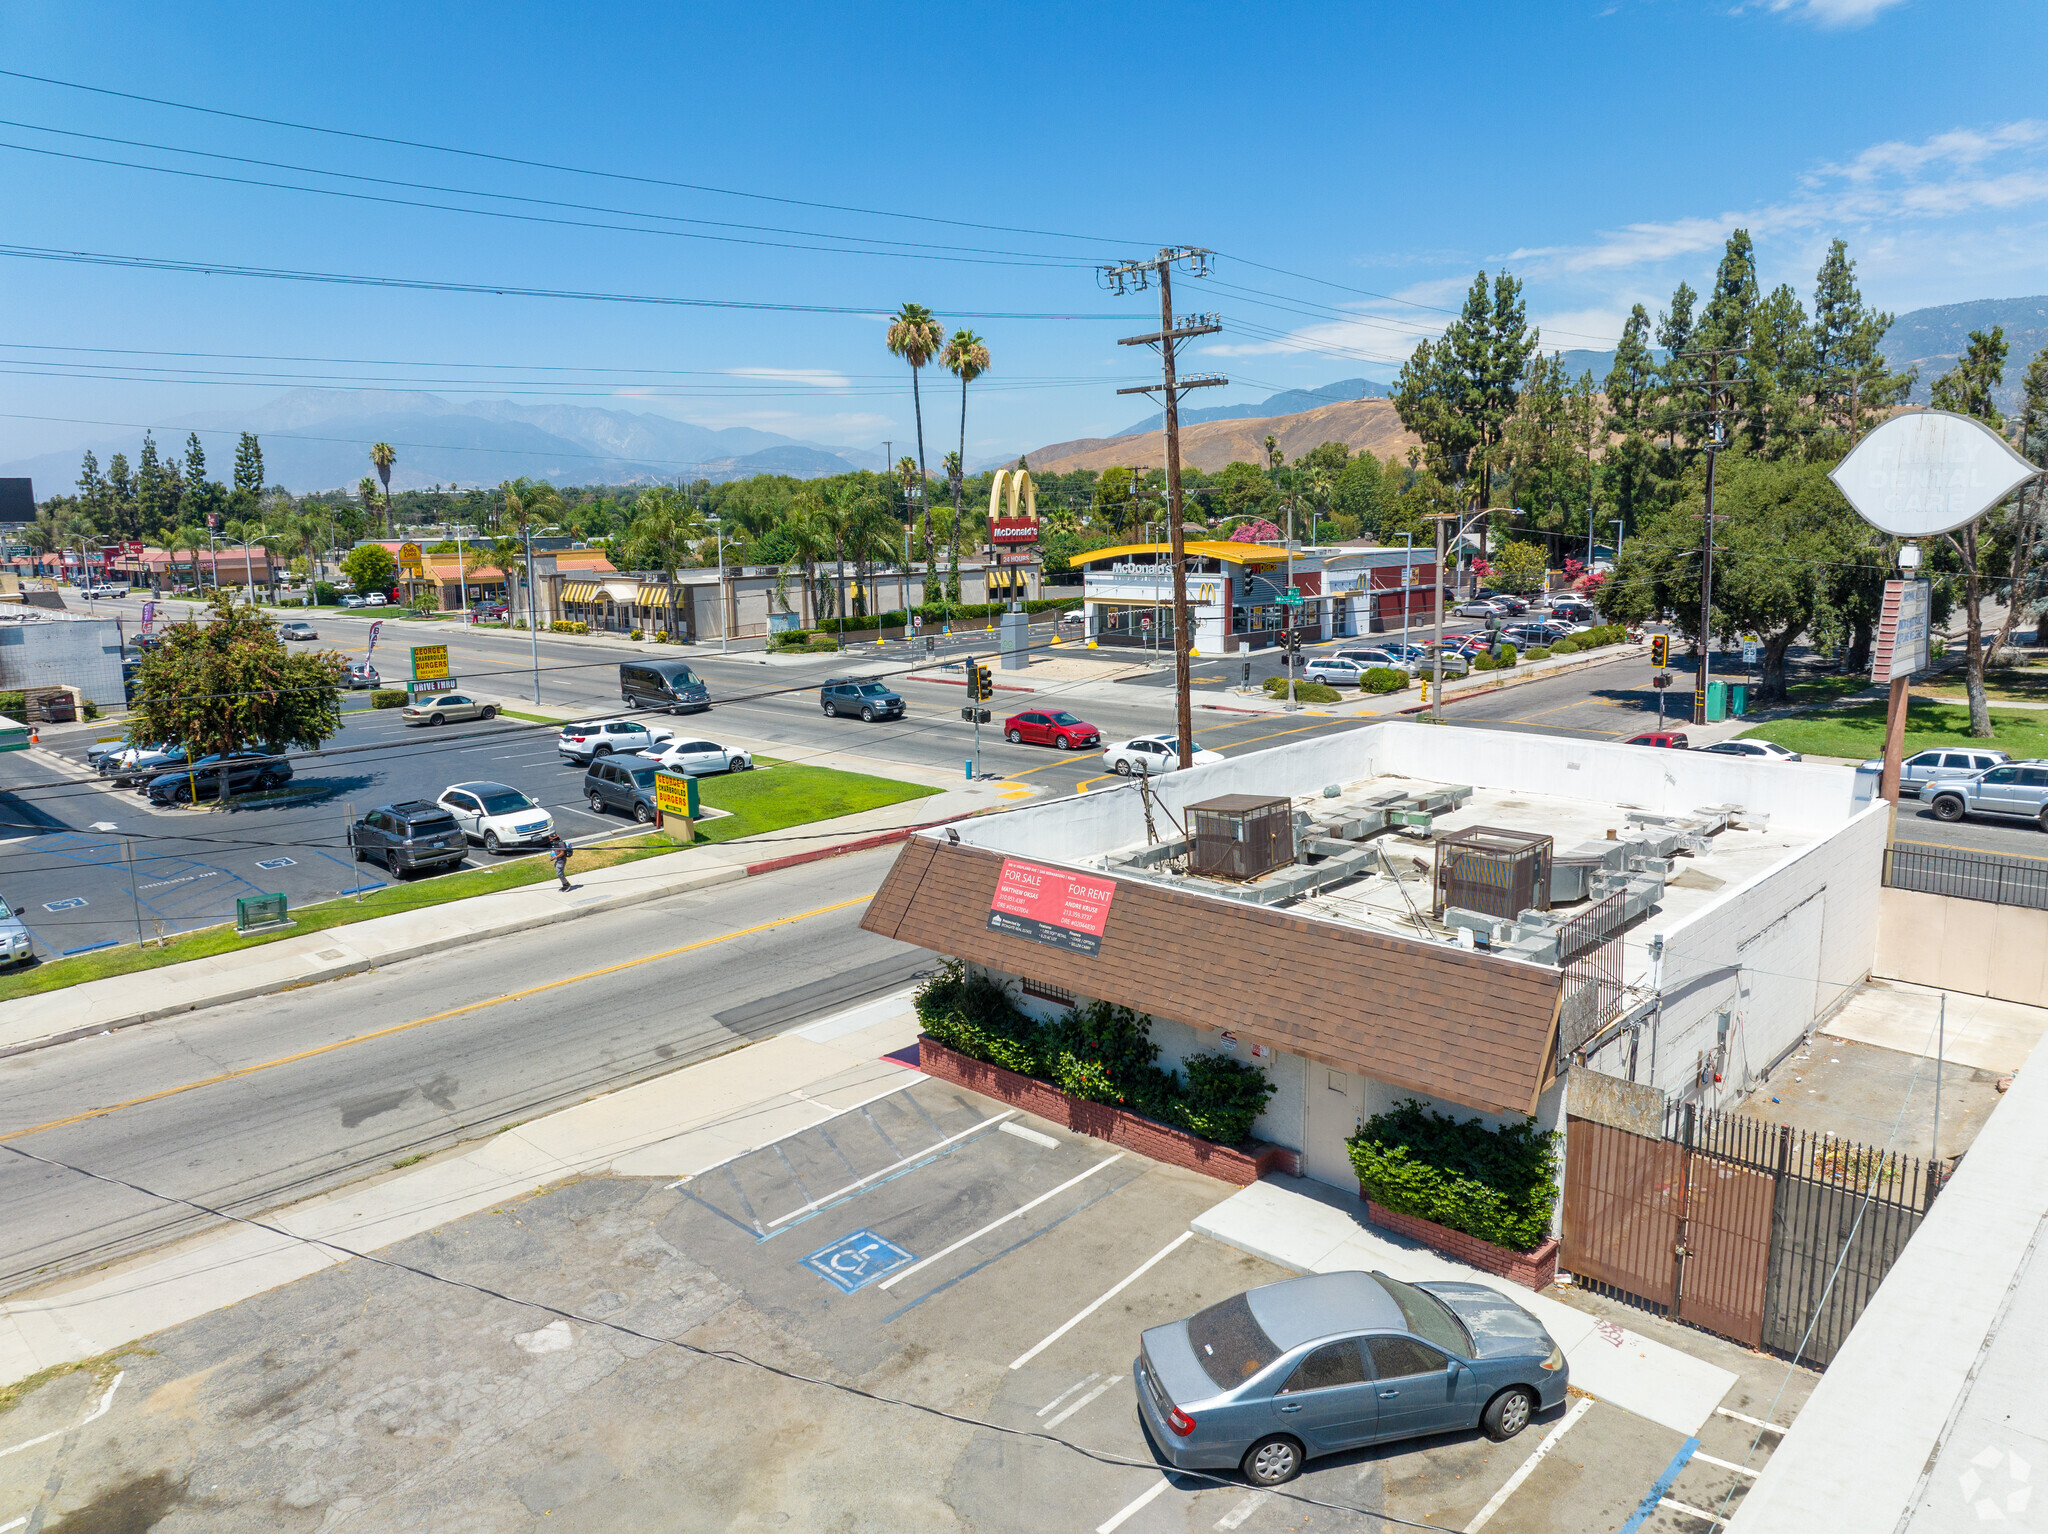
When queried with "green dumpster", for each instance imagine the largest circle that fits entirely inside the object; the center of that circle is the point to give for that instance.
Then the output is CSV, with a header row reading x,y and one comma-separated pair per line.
x,y
1738,698
1717,702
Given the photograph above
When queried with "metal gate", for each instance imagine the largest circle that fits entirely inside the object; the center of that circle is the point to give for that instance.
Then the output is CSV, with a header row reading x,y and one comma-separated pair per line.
x,y
1723,1256
1623,1194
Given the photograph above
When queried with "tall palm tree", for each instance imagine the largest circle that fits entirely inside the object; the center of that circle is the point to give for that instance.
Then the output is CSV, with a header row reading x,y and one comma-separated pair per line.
x,y
188,539
528,505
966,358
384,455
916,337
664,525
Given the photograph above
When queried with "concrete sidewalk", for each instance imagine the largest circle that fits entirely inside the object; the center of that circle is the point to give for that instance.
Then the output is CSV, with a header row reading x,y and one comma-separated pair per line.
x,y
678,1125
1313,1228
120,1001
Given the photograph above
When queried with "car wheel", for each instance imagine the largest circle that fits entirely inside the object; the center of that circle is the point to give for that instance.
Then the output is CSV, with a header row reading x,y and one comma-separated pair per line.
x,y
1014,737
490,711
743,764
604,750
831,712
642,814
1272,1461
491,843
1123,768
1060,742
597,804
362,854
436,719
867,715
1507,1413
1948,808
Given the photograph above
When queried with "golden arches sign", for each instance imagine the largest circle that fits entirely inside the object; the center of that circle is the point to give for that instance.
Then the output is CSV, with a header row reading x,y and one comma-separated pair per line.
x,y
1016,484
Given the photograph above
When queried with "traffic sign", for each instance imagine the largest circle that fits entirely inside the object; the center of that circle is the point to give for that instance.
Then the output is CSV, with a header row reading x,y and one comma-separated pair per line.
x,y
1291,597
1750,650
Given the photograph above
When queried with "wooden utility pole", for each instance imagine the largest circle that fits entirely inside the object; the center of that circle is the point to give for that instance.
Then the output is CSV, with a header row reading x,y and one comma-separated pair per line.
x,y
1138,275
1716,440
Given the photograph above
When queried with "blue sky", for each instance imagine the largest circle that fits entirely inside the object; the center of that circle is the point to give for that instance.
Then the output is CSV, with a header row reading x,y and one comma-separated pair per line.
x,y
1379,154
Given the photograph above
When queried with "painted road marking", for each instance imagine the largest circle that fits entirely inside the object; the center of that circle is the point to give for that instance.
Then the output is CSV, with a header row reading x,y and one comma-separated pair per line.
x,y
1081,1384
278,863
1087,1400
112,942
92,1416
826,1198
432,1017
1769,1427
1654,1497
998,1224
1499,1499
64,905
1029,1134
1136,1505
1686,1507
1066,1326
856,1260
1243,1510
1726,1464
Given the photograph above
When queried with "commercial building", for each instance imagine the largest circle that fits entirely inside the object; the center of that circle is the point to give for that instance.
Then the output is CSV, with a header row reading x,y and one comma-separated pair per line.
x,y
1454,915
42,648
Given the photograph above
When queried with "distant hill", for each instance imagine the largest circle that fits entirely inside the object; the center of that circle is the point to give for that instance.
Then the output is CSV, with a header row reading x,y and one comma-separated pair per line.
x,y
1932,339
318,439
1361,423
1291,402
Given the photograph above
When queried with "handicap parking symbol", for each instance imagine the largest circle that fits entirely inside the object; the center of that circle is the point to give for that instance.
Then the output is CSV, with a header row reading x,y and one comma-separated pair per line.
x,y
278,863
64,905
857,1260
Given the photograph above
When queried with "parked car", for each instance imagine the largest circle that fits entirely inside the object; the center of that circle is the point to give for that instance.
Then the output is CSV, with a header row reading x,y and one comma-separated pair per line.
x,y
603,737
1336,671
409,837
16,944
127,764
664,684
245,771
352,600
857,695
1478,607
375,599
1527,636
626,786
1756,750
1457,658
446,708
1673,739
489,612
1269,1379
1050,727
2015,791
1392,656
497,814
297,630
1152,754
1505,601
696,758
360,674
1924,765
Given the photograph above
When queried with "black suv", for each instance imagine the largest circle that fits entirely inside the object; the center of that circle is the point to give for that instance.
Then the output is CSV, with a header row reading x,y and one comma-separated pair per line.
x,y
409,837
243,770
664,684
858,695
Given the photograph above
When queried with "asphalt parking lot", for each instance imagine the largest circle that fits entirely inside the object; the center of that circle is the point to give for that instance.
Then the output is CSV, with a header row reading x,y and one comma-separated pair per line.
x,y
920,1314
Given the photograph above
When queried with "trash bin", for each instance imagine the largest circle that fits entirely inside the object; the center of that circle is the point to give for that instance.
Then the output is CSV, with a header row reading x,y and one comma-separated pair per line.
x,y
1717,702
1738,698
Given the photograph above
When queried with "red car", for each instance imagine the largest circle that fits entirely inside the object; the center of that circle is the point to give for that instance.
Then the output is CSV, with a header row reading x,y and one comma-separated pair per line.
x,y
1050,727
1670,739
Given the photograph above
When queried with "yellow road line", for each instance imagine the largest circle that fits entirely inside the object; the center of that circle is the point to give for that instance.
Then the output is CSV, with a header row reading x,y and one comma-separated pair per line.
x,y
2031,857
421,1022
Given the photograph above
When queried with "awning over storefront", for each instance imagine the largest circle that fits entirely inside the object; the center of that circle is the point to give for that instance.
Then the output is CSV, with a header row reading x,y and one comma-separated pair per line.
x,y
650,594
580,591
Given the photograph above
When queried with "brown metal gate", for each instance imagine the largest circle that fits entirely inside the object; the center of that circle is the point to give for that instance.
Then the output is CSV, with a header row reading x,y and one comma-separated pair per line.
x,y
1724,1257
1623,1198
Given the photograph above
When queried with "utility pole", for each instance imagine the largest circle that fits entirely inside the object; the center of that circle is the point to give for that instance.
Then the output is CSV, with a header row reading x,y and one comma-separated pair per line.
x,y
1436,654
532,613
1716,440
1139,275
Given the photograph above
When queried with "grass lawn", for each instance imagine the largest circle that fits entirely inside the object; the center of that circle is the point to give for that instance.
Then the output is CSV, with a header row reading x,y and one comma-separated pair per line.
x,y
2027,684
1858,730
781,795
1819,690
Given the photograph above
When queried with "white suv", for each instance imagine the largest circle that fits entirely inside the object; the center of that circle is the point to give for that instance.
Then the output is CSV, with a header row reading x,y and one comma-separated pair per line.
x,y
603,737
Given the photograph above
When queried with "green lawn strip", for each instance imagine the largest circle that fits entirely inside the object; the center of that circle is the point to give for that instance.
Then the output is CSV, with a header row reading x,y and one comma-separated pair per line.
x,y
513,713
1818,690
787,794
1858,730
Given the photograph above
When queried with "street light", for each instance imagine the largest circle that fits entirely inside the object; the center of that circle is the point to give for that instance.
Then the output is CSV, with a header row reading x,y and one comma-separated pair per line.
x,y
1436,685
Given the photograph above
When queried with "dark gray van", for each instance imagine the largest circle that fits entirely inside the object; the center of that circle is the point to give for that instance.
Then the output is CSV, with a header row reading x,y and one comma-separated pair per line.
x,y
663,684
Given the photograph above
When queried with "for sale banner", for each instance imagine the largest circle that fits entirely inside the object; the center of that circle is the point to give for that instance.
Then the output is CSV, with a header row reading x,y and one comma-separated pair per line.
x,y
1051,906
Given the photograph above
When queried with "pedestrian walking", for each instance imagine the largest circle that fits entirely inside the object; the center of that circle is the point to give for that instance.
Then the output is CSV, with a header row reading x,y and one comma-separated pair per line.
x,y
559,851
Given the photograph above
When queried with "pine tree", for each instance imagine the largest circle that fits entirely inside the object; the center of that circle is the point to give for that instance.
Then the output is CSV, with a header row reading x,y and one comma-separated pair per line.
x,y
248,474
1773,404
156,499
90,486
1987,544
1852,383
195,460
1968,387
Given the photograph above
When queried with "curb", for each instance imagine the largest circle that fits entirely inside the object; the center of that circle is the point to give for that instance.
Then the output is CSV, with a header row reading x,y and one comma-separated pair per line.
x,y
861,844
948,681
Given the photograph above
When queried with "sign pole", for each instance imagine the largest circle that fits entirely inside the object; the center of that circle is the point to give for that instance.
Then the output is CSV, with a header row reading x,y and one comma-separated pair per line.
x,y
1894,739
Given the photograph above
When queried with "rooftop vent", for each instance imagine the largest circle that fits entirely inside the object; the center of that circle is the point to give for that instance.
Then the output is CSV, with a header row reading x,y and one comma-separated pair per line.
x,y
1485,868
1240,836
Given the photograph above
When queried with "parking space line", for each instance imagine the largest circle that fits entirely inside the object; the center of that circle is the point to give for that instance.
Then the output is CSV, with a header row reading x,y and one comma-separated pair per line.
x,y
94,1415
1244,1510
1139,1272
824,1199
997,1224
1088,1400
826,1135
1686,1507
1081,1384
752,1230
1136,1505
1499,1499
1726,1464
1654,1497
783,1157
995,1257
881,1133
1769,1427
745,1203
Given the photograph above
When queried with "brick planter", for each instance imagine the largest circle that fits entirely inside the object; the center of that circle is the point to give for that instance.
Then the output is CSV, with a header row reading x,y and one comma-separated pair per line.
x,y
1532,1270
1176,1147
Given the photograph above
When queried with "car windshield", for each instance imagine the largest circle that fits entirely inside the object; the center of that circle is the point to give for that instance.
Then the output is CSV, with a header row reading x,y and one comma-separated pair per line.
x,y
1427,1316
1063,717
506,801
1229,1343
643,777
873,690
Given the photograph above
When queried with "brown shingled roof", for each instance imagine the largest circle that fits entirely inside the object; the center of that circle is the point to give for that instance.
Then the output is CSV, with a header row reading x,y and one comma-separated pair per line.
x,y
1469,1028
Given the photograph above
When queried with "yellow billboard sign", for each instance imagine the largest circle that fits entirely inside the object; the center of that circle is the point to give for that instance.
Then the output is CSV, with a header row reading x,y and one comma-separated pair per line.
x,y
409,564
430,663
672,797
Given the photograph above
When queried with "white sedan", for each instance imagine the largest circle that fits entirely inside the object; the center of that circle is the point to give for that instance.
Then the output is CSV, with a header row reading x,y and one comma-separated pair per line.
x,y
497,815
1149,754
1761,750
696,758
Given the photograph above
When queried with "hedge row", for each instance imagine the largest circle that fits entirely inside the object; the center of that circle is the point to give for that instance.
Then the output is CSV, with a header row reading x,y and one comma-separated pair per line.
x,y
1099,1053
1497,1184
1592,639
1304,692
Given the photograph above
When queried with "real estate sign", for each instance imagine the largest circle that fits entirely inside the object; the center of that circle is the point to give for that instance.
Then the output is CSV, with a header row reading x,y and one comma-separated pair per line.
x,y
1051,906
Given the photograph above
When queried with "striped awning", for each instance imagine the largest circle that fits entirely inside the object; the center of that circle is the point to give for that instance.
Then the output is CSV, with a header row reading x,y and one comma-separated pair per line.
x,y
579,591
651,594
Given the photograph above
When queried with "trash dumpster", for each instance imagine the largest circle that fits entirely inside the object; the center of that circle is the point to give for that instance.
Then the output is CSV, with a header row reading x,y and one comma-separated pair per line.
x,y
1738,698
1717,702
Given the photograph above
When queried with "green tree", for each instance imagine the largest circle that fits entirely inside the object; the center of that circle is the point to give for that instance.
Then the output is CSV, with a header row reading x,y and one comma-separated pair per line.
x,y
156,494
1519,566
248,474
1358,499
663,526
1114,505
370,567
1631,403
204,497
966,358
1969,387
230,684
907,474
383,455
1853,385
916,337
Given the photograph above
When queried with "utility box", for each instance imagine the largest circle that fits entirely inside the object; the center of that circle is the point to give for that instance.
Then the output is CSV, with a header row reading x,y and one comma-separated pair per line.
x,y
1239,836
1717,701
262,913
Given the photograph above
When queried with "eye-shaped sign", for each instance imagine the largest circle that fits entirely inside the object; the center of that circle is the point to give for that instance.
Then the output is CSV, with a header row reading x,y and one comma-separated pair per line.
x,y
1929,472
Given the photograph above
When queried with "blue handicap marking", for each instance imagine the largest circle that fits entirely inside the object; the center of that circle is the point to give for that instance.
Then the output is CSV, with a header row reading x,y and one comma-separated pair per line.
x,y
64,905
857,1260
278,863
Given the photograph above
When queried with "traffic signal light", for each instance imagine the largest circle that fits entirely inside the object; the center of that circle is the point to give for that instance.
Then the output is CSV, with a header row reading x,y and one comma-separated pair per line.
x,y
981,686
1660,650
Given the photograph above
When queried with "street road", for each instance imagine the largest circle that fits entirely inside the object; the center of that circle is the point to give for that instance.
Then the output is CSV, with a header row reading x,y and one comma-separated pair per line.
x,y
342,1079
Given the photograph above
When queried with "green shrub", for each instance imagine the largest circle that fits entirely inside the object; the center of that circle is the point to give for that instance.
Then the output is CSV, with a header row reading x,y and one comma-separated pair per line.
x,y
570,626
388,697
325,594
1383,679
634,635
1540,652
1222,1097
1508,655
1497,1184
1483,663
1304,692
977,1017
1566,647
12,704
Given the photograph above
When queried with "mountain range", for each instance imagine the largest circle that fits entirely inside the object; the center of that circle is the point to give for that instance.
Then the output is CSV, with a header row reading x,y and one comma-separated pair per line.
x,y
1289,402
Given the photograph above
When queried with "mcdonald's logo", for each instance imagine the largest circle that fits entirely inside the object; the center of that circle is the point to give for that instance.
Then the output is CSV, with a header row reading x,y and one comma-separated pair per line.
x,y
1005,492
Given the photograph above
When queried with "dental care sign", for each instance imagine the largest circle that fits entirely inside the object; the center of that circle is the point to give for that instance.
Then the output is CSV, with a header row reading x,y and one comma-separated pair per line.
x,y
1929,472
1051,906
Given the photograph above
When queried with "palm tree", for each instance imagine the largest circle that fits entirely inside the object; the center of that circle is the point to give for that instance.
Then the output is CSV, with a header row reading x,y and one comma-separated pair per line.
x,y
188,539
966,358
805,532
916,337
664,525
528,504
867,537
42,537
384,455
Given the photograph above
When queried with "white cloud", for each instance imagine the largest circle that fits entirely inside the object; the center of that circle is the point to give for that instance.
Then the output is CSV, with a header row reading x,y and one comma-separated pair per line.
x,y
823,378
1834,13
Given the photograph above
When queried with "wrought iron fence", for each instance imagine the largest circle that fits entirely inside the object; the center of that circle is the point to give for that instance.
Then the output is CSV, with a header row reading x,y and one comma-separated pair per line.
x,y
1968,875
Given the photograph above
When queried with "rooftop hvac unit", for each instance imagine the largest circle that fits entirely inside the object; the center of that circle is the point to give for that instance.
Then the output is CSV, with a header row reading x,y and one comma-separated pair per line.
x,y
1240,836
1486,868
